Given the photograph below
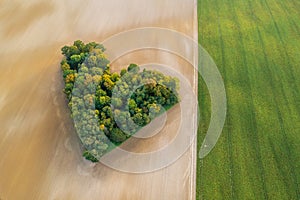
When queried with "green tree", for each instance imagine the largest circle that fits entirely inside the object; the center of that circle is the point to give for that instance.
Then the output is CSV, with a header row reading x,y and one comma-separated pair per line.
x,y
123,71
116,102
117,135
138,119
134,68
89,156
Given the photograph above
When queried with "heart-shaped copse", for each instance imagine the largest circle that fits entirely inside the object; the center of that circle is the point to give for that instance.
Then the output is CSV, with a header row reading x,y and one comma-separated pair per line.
x,y
107,108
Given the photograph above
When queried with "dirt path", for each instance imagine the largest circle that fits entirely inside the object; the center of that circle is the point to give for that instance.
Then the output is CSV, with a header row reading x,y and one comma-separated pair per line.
x,y
40,154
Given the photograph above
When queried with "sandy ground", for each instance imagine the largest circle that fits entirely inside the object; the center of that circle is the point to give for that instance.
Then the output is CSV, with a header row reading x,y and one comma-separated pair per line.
x,y
40,153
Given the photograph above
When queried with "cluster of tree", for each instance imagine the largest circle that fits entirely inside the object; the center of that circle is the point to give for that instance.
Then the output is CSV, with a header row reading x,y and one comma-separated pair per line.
x,y
141,96
108,108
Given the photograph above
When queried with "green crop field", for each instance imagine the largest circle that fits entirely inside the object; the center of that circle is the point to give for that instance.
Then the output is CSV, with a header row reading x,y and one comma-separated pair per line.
x,y
256,46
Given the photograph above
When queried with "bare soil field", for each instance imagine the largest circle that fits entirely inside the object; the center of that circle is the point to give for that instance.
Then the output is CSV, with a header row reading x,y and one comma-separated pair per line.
x,y
40,152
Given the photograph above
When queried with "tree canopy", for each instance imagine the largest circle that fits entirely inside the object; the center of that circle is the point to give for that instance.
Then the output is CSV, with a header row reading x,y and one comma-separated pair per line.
x,y
108,108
